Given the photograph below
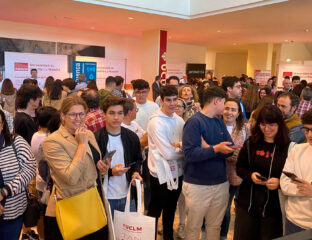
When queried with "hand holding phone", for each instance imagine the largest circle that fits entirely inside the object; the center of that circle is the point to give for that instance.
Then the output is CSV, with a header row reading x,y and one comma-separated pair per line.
x,y
258,179
108,155
236,147
261,178
292,176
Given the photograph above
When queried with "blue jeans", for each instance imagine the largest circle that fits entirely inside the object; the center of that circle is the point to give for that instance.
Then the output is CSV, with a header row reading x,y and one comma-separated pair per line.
x,y
227,217
291,227
120,204
11,229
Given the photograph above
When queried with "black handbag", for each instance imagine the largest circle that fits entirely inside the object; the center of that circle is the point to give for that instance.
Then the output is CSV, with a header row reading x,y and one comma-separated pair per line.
x,y
33,209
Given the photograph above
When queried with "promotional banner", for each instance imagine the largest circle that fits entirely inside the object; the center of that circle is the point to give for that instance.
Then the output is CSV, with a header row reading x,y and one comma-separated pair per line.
x,y
162,54
88,68
262,75
106,67
18,66
176,69
304,71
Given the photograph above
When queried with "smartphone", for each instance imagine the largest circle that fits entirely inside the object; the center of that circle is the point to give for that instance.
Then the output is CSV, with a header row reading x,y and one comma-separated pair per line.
x,y
109,155
236,147
261,178
292,176
130,164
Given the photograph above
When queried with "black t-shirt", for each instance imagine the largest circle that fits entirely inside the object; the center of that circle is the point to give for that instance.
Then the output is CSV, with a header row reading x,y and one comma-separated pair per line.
x,y
25,126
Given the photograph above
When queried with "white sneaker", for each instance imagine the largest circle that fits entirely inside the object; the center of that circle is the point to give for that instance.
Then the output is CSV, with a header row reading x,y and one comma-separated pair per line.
x,y
181,231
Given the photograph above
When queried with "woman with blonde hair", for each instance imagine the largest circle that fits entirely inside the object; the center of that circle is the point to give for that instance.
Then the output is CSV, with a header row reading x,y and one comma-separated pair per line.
x,y
8,96
71,153
251,99
189,95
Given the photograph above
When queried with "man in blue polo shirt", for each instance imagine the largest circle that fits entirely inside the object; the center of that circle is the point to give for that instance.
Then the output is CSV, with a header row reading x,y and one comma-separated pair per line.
x,y
206,144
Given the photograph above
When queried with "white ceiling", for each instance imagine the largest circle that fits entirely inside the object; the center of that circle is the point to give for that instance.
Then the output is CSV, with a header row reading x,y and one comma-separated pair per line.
x,y
272,23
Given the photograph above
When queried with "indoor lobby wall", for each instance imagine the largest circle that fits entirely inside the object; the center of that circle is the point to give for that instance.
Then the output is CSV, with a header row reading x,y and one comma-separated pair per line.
x,y
116,46
230,64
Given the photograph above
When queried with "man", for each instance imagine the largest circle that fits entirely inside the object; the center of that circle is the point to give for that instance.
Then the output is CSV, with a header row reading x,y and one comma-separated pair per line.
x,y
305,103
298,206
156,87
81,82
125,164
206,144
34,78
172,81
286,84
110,85
118,89
95,118
69,85
295,81
164,140
146,108
288,104
233,89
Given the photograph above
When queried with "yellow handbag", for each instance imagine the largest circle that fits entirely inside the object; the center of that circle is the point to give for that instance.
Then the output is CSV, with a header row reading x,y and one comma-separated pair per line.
x,y
80,215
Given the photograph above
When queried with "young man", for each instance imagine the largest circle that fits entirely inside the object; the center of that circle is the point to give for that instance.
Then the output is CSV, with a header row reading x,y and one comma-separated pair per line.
x,y
305,103
233,89
125,164
295,81
95,118
287,85
164,139
118,89
69,85
110,84
206,144
172,81
146,108
298,190
288,104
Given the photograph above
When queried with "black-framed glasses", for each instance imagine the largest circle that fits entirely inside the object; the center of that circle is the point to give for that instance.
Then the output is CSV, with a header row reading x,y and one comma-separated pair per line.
x,y
306,130
75,115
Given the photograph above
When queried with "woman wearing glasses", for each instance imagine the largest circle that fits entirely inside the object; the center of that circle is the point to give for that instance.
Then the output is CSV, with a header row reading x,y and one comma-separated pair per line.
x,y
70,152
260,163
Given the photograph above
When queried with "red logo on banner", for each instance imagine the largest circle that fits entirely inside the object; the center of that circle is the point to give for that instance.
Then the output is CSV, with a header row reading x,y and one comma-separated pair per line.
x,y
162,54
287,74
20,66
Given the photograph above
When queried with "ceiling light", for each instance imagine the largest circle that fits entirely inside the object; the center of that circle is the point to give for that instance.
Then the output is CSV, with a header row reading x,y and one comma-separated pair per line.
x,y
234,44
130,18
218,31
288,60
306,29
92,28
286,40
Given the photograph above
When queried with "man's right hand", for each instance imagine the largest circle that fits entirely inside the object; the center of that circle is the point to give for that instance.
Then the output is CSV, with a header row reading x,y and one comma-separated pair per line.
x,y
117,170
223,147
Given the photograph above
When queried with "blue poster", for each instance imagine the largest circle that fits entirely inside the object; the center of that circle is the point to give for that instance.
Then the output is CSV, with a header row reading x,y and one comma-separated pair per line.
x,y
88,68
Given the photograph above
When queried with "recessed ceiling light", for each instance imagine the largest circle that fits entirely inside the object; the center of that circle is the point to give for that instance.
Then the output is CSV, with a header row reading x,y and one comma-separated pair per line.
x,y
92,28
306,29
218,31
170,37
234,44
285,40
130,18
288,60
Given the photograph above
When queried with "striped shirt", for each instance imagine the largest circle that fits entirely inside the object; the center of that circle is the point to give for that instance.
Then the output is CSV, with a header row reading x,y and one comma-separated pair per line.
x,y
17,173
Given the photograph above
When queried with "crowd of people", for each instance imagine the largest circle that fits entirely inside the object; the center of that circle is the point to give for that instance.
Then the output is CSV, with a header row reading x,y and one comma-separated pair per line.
x,y
201,146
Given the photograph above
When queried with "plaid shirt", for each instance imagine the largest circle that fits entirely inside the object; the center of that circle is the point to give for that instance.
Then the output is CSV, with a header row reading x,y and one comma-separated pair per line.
x,y
303,107
95,119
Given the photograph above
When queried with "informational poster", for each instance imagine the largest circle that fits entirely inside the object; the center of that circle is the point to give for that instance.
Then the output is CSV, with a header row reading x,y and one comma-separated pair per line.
x,y
176,69
262,75
304,71
106,67
18,67
87,68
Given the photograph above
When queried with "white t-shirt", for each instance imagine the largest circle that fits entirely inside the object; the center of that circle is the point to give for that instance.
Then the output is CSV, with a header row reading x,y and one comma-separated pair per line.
x,y
144,113
134,127
36,148
117,185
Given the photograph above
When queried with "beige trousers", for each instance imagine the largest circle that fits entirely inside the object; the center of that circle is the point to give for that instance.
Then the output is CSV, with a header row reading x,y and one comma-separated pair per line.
x,y
204,201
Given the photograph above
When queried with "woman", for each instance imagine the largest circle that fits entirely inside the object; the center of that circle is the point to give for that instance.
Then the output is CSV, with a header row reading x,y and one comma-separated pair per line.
x,y
70,152
8,96
234,120
55,96
17,168
181,108
251,99
264,91
265,101
189,95
260,164
48,85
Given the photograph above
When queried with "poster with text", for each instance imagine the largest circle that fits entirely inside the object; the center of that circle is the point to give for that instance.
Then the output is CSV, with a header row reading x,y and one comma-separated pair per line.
x,y
304,71
262,75
106,67
18,66
176,69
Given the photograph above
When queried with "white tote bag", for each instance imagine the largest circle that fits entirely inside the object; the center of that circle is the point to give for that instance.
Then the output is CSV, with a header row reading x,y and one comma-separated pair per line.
x,y
134,225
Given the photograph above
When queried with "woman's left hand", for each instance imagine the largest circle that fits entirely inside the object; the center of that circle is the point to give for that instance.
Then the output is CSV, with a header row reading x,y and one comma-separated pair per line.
x,y
103,168
136,175
272,183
